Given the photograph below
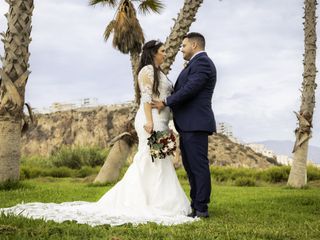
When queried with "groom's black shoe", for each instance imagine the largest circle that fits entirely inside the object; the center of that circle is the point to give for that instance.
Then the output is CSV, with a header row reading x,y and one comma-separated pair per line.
x,y
193,213
201,214
196,213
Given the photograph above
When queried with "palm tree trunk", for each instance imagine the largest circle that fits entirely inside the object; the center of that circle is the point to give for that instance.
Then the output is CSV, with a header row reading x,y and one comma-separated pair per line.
x,y
14,75
298,173
181,27
9,150
134,57
116,159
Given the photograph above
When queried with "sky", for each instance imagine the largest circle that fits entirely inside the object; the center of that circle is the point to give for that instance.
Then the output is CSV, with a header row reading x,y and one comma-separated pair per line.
x,y
256,45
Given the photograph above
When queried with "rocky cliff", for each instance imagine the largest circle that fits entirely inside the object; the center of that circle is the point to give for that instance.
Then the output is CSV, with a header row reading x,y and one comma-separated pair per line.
x,y
83,127
99,125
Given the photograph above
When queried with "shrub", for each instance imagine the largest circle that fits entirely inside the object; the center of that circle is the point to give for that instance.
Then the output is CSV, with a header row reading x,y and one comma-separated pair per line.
x,y
86,171
276,174
10,185
313,173
245,181
77,157
221,174
38,161
242,172
93,156
67,157
59,172
27,172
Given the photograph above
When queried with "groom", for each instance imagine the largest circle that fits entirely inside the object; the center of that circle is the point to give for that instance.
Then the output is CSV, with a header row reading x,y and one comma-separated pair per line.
x,y
193,118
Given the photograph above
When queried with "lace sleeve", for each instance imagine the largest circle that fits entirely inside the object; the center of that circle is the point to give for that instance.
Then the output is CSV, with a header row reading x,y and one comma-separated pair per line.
x,y
146,83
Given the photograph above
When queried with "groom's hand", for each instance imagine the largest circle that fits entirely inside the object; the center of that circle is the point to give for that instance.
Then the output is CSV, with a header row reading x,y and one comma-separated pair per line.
x,y
158,105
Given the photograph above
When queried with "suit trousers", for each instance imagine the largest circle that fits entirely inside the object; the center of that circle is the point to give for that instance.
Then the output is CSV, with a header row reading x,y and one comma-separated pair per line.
x,y
194,152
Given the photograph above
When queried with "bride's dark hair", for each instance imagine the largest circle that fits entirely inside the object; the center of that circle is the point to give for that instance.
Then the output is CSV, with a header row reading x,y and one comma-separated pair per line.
x,y
149,50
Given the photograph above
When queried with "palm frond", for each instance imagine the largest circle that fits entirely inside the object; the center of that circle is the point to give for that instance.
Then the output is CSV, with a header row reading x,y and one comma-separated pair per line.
x,y
147,6
109,30
128,34
111,3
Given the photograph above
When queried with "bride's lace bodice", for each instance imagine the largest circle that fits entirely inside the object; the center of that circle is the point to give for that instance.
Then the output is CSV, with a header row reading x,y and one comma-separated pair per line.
x,y
160,120
145,81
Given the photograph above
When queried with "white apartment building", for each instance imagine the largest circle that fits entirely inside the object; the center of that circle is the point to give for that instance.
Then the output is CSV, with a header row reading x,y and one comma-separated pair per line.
x,y
260,148
88,102
284,160
225,129
55,107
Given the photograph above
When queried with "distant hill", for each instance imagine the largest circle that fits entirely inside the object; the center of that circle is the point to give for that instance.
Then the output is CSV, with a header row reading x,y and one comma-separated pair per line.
x,y
285,148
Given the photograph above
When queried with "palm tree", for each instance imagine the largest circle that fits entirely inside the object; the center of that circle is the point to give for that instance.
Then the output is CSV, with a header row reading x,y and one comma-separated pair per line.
x,y
298,173
14,75
128,36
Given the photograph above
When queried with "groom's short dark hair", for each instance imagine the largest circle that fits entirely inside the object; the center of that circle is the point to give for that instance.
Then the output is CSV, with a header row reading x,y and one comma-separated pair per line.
x,y
199,38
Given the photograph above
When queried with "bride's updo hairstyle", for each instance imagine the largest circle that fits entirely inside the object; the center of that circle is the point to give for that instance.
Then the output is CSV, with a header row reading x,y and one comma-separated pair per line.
x,y
149,50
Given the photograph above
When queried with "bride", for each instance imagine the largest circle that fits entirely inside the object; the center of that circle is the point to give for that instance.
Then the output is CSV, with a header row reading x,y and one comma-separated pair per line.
x,y
149,191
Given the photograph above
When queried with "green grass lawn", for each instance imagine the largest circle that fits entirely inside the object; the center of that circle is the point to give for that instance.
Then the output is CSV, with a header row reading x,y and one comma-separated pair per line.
x,y
264,212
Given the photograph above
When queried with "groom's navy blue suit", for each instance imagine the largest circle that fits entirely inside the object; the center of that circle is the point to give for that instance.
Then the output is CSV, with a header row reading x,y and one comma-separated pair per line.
x,y
194,120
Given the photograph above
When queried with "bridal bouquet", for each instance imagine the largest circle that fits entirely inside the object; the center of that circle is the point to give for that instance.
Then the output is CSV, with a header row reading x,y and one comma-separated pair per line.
x,y
162,144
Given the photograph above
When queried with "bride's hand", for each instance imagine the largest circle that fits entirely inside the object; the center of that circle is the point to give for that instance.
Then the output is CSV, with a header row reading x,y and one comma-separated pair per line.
x,y
148,127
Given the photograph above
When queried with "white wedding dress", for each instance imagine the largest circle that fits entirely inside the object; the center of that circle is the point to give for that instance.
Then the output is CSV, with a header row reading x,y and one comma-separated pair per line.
x,y
148,192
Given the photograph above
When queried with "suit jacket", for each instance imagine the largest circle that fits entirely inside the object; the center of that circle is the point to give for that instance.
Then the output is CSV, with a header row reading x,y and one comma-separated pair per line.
x,y
191,100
